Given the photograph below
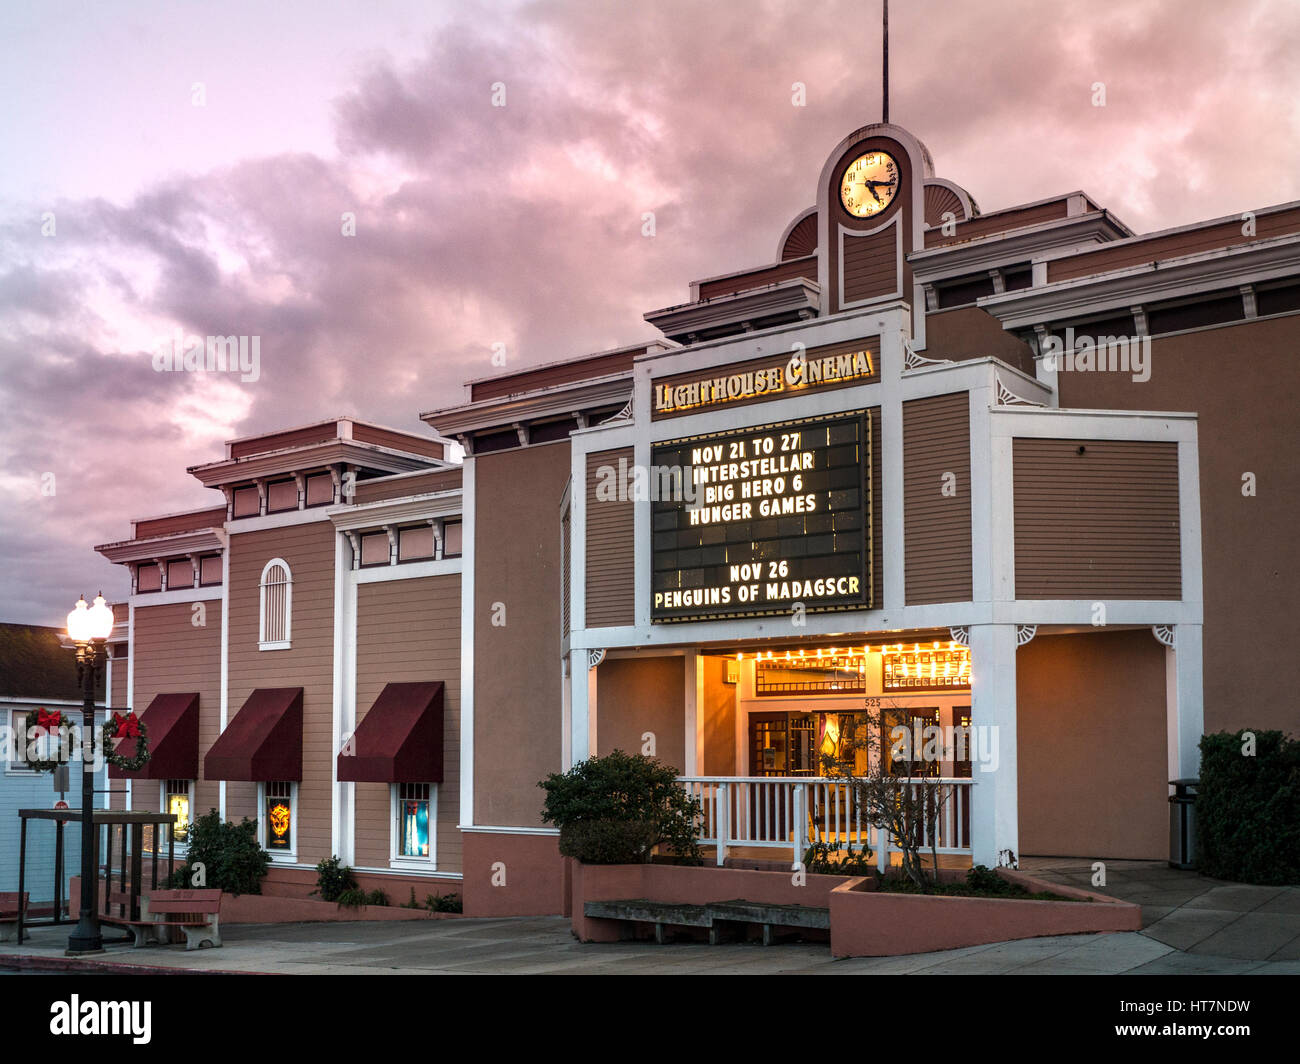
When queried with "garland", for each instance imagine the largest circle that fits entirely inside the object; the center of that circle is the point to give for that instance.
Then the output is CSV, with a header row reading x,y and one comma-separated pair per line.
x,y
126,727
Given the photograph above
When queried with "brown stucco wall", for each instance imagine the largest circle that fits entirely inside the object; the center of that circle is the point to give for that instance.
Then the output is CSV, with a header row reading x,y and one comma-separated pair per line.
x,y
1241,382
1092,749
517,721
639,695
717,711
968,332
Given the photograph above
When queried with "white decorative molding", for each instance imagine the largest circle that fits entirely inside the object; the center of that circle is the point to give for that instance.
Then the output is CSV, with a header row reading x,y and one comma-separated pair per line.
x,y
1006,397
594,658
960,635
911,360
623,415
1024,633
1165,634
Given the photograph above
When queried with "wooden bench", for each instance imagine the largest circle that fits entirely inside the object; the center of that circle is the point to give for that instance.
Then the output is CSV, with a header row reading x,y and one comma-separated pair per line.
x,y
11,907
196,912
716,916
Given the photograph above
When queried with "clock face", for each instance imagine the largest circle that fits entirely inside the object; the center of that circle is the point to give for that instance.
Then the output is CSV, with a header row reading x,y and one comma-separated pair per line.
x,y
869,184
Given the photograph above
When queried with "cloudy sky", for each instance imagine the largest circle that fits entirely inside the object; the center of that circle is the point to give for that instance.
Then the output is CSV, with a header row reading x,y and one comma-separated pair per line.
x,y
187,165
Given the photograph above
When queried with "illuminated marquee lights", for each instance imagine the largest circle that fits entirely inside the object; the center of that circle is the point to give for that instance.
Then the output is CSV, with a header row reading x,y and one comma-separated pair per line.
x,y
926,666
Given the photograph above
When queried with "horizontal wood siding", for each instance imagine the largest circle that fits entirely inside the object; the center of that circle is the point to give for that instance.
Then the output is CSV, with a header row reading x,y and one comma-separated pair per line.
x,y
408,631
278,441
744,282
173,655
162,526
1001,222
578,369
309,663
1103,524
871,265
384,488
397,441
936,527
1172,245
611,561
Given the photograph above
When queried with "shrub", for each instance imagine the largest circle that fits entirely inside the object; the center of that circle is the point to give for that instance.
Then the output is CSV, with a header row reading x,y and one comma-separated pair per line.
x,y
1248,808
639,793
333,880
609,841
230,855
442,903
821,858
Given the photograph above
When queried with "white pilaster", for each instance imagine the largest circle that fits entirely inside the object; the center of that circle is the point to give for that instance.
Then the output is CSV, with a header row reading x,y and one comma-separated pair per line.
x,y
890,448
995,822
1189,699
581,681
693,732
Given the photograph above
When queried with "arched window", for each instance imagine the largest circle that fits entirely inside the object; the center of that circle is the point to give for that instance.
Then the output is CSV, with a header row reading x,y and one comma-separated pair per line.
x,y
277,606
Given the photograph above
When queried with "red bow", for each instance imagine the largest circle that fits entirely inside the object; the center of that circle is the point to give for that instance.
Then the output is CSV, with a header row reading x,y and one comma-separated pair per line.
x,y
127,727
48,721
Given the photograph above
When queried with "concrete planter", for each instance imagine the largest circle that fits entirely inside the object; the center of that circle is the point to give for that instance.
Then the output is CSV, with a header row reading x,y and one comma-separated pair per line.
x,y
864,922
868,923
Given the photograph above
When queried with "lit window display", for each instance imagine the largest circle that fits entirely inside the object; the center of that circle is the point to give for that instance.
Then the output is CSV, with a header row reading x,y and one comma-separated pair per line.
x,y
279,816
177,802
413,820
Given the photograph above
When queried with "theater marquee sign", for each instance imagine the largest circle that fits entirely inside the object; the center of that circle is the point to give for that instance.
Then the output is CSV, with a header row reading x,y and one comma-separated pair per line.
x,y
765,378
777,519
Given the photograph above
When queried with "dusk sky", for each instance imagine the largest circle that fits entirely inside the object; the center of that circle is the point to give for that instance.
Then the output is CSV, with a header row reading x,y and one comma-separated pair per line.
x,y
186,165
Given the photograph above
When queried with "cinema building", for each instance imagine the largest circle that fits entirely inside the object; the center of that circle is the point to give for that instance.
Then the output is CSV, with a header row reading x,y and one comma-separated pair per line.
x,y
1023,472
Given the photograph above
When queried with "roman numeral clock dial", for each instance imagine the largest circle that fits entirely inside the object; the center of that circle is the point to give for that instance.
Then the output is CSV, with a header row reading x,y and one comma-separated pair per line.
x,y
869,184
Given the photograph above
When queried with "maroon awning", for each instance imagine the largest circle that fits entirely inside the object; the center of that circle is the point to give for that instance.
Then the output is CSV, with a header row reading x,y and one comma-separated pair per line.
x,y
399,740
172,722
263,742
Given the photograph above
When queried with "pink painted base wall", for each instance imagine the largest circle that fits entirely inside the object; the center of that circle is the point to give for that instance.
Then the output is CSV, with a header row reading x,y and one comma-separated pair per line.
x,y
514,875
687,886
865,923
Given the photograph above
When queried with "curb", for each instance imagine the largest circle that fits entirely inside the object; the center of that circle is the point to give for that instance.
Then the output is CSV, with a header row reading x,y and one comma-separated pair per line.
x,y
28,962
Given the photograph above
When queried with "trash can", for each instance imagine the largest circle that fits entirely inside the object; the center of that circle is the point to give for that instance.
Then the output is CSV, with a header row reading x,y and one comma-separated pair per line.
x,y
1182,824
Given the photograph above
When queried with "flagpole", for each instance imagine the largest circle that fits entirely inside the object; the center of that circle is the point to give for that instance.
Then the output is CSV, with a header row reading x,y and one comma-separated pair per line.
x,y
885,70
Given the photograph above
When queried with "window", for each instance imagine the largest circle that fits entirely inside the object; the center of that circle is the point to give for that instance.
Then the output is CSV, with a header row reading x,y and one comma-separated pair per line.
x,y
413,543
413,822
209,570
277,605
374,548
451,539
247,503
320,489
279,827
148,578
176,800
281,495
180,573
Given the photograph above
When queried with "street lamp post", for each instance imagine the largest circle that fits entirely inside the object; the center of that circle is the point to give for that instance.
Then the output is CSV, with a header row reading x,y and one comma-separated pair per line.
x,y
89,629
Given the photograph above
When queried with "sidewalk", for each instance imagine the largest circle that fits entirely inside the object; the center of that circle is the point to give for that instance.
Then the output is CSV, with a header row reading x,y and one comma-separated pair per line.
x,y
1191,925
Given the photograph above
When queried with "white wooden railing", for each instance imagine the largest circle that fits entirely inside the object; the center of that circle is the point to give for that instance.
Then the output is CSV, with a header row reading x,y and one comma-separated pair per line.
x,y
791,812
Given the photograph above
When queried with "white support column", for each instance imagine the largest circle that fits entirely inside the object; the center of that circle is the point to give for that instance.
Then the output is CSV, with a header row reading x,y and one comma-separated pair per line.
x,y
694,734
1188,704
344,600
995,822
581,683
890,449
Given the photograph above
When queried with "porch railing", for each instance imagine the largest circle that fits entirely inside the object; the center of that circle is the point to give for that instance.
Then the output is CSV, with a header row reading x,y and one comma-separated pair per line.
x,y
791,812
